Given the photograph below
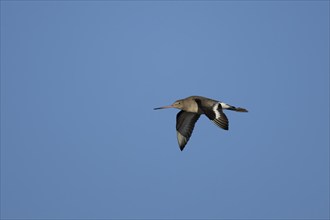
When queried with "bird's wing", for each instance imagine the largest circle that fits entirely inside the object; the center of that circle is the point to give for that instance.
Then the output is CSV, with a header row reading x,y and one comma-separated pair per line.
x,y
185,123
216,115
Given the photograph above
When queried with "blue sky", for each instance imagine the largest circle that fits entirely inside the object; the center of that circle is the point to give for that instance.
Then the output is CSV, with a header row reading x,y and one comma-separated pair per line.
x,y
80,79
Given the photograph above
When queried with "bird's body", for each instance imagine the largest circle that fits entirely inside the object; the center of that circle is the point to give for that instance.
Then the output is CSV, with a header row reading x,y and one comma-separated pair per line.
x,y
192,108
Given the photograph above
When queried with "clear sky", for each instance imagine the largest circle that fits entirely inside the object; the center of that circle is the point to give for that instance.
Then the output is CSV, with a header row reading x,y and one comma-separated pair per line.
x,y
80,138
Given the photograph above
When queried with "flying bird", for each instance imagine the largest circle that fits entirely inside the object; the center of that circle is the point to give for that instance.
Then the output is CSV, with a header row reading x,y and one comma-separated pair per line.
x,y
192,108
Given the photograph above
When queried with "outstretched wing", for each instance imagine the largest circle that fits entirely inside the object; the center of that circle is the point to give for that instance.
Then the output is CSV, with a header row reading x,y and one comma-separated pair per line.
x,y
216,115
185,123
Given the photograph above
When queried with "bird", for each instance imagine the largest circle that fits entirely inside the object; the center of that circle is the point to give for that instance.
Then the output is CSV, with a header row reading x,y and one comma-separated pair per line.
x,y
192,108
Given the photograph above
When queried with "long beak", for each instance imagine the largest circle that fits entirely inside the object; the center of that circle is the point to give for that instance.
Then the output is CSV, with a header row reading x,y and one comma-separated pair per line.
x,y
168,106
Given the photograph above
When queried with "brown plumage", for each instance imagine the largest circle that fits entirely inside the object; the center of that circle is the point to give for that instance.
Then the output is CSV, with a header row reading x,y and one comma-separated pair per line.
x,y
192,108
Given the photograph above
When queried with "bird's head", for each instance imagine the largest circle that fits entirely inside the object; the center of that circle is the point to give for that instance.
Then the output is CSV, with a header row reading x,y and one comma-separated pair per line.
x,y
178,104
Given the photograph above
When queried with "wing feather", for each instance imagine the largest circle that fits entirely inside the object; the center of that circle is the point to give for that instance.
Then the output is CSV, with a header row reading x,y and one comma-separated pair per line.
x,y
216,115
185,123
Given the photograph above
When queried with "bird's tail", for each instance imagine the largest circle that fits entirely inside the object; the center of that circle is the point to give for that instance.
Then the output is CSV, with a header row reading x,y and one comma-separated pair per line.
x,y
238,109
233,108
